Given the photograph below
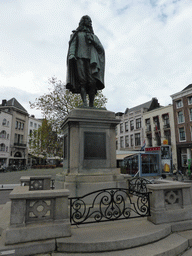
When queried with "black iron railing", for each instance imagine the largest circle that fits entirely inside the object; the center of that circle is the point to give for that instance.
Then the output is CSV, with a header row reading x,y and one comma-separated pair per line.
x,y
108,205
138,185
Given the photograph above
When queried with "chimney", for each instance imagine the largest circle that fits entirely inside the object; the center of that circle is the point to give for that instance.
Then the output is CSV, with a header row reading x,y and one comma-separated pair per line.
x,y
4,102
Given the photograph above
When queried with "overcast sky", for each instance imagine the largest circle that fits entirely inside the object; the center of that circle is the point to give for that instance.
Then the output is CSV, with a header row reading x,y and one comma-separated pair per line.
x,y
148,47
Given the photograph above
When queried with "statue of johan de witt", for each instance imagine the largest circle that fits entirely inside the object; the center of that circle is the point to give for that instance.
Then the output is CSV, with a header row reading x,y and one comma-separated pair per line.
x,y
85,62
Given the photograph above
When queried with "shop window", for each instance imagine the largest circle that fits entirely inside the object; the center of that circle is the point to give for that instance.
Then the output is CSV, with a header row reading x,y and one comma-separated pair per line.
x,y
149,163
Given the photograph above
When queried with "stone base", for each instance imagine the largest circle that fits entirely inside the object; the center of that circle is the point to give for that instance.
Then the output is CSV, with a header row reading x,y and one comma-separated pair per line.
x,y
79,185
168,216
36,232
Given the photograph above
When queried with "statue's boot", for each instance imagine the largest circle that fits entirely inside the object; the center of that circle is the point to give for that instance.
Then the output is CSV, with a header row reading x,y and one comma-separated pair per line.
x,y
83,96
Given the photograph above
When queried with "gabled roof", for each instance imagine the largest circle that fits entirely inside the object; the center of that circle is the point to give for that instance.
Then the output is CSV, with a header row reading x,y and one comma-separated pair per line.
x,y
188,87
149,105
13,102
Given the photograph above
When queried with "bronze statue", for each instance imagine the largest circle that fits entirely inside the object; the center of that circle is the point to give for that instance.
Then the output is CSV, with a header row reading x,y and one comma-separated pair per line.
x,y
85,62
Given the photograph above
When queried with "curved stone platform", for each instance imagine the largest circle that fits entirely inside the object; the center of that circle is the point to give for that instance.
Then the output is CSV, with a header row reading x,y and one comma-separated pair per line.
x,y
111,236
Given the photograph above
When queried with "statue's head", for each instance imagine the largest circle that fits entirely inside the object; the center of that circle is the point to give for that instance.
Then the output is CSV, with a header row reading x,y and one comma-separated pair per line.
x,y
86,22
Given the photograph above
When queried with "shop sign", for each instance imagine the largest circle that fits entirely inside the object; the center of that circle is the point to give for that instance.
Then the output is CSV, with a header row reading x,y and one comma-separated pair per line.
x,y
153,149
165,142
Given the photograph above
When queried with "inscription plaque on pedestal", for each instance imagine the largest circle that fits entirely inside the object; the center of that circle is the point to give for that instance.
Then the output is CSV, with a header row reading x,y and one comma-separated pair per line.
x,y
95,145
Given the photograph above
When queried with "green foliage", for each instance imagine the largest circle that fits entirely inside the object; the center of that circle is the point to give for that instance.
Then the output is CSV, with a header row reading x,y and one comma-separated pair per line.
x,y
60,101
45,141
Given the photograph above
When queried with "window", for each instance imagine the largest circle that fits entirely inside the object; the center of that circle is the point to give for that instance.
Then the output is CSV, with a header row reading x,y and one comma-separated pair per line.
x,y
35,125
7,123
22,126
4,122
181,134
190,100
180,117
166,121
137,139
2,147
121,142
38,126
167,134
131,125
3,135
15,140
149,140
16,124
121,128
148,125
138,123
126,126
21,139
156,122
158,138
132,140
19,125
179,104
190,114
127,141
31,124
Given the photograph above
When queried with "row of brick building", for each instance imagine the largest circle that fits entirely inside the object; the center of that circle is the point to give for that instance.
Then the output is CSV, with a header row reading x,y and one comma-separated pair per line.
x,y
151,126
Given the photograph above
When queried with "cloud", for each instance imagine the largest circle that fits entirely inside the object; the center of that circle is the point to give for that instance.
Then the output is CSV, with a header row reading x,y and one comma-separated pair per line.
x,y
147,44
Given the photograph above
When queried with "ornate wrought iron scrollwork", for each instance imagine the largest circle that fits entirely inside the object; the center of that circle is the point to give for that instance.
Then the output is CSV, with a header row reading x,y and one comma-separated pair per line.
x,y
108,204
138,185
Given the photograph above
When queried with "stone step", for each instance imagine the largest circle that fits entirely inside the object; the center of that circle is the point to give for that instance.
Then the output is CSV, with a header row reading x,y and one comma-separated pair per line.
x,y
118,235
173,245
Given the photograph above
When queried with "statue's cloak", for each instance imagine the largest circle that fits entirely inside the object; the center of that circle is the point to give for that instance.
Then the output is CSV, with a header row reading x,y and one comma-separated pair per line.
x,y
96,55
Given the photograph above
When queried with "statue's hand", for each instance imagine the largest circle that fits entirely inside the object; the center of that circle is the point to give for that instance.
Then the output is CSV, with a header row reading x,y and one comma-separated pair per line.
x,y
72,57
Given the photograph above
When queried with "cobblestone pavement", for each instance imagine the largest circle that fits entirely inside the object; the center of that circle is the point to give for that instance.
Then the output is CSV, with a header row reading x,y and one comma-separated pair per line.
x,y
14,177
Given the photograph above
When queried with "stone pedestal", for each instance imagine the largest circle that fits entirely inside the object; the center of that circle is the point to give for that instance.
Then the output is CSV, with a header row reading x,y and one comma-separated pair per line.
x,y
170,202
37,215
90,151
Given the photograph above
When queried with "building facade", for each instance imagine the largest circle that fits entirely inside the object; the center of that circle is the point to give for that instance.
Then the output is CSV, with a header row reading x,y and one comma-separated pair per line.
x,y
159,129
182,107
5,135
18,151
129,132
